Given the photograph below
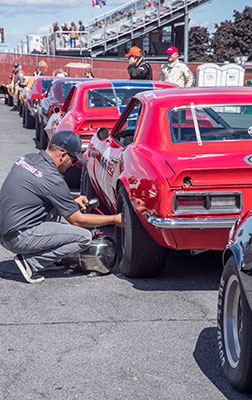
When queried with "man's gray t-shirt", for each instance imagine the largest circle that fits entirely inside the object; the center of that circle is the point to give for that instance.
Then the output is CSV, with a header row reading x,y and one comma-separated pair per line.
x,y
32,189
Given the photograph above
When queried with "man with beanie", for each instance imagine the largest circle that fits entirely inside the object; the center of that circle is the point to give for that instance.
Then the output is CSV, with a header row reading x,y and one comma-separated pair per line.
x,y
175,71
33,195
138,68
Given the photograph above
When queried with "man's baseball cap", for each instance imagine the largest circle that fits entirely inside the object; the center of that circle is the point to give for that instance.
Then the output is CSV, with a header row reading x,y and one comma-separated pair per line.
x,y
16,65
69,141
171,50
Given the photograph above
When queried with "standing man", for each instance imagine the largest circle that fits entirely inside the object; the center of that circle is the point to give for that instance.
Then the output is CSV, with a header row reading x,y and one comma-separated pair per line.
x,y
33,195
175,71
18,80
138,68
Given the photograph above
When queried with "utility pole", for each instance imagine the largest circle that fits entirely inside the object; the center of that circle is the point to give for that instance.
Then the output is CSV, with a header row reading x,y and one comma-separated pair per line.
x,y
186,28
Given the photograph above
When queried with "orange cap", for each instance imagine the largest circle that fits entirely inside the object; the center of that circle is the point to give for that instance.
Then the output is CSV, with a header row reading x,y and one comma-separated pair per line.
x,y
134,51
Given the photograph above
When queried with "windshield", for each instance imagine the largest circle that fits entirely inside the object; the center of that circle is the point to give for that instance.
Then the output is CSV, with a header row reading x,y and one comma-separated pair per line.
x,y
113,97
211,123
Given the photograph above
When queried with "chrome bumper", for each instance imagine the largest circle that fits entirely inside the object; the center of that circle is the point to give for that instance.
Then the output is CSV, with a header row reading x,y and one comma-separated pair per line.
x,y
191,223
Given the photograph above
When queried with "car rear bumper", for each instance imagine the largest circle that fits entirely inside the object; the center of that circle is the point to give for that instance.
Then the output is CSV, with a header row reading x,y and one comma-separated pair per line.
x,y
191,223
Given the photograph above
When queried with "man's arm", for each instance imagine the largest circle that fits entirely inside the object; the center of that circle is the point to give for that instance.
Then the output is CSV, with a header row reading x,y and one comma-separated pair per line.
x,y
93,220
189,78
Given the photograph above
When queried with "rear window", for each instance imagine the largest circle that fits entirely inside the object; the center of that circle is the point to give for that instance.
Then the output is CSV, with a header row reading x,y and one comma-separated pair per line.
x,y
66,87
45,85
112,97
211,123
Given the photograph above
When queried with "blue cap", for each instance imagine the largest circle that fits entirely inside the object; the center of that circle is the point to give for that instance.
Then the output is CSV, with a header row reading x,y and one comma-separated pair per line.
x,y
69,141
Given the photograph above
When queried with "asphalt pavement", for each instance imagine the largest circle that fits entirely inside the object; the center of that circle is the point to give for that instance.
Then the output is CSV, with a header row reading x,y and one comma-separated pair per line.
x,y
74,337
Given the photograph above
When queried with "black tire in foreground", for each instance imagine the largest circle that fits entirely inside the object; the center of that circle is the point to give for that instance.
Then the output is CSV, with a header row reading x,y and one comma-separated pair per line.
x,y
234,329
29,120
139,255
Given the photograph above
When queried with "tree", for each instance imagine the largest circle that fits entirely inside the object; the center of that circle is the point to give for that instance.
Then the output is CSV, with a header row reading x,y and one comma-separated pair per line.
x,y
199,44
233,39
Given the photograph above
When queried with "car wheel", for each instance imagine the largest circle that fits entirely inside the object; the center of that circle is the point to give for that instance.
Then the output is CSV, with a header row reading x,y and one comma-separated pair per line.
x,y
86,185
37,128
234,329
20,108
23,115
29,120
141,256
87,189
43,139
10,101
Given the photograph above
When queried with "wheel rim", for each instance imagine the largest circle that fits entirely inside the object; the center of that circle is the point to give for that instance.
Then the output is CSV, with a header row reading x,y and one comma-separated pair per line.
x,y
232,321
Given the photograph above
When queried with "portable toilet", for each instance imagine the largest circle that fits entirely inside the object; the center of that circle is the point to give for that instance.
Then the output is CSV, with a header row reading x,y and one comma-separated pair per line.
x,y
208,74
232,75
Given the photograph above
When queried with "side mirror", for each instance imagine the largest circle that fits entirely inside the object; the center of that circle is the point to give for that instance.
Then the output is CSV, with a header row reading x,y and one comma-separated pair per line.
x,y
102,133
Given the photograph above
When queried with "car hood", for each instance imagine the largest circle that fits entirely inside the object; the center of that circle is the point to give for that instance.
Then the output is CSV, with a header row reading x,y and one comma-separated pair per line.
x,y
211,169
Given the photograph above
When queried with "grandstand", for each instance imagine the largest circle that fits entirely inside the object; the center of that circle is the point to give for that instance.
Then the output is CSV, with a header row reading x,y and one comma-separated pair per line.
x,y
115,31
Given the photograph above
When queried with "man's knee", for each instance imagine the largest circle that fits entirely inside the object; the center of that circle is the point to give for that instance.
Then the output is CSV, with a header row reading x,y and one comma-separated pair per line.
x,y
86,239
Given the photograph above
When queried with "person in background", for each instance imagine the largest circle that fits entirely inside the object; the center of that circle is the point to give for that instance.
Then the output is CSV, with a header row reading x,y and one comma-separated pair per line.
x,y
37,72
18,81
65,34
175,71
81,30
60,73
138,68
73,35
88,74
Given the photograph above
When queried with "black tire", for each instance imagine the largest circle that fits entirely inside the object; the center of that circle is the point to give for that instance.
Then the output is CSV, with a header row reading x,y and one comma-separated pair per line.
x,y
87,189
37,128
20,108
29,120
141,256
23,115
234,330
43,139
10,100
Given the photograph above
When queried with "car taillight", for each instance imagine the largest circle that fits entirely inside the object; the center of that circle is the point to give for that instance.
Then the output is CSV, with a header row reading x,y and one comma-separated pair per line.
x,y
35,103
209,202
189,201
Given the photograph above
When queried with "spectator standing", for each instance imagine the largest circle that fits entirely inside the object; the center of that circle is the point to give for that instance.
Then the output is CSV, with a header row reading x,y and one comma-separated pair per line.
x,y
56,30
81,30
73,34
37,72
65,34
175,71
138,68
18,81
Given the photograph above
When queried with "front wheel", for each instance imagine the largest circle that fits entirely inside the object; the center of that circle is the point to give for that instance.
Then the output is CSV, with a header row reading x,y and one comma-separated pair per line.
x,y
141,256
234,329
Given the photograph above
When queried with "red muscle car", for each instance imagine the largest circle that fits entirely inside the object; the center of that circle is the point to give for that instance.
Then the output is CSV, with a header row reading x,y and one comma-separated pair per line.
x,y
33,98
178,163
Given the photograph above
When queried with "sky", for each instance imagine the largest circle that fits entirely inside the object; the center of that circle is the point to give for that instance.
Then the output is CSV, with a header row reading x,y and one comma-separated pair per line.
x,y
23,17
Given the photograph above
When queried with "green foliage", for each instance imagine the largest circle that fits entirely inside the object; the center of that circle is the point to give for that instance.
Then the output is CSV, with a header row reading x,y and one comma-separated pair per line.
x,y
230,39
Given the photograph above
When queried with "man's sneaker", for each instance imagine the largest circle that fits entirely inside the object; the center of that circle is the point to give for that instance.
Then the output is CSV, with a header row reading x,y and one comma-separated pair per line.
x,y
28,273
14,108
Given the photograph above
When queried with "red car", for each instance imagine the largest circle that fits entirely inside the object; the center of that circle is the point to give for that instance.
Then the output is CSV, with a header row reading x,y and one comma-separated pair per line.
x,y
95,103
32,100
52,103
100,102
178,164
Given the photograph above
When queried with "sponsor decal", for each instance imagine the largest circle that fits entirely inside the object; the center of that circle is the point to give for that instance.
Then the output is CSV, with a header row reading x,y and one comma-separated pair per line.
x,y
22,163
250,130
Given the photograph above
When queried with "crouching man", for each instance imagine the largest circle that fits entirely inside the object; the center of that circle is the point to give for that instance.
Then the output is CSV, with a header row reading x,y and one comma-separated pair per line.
x,y
33,195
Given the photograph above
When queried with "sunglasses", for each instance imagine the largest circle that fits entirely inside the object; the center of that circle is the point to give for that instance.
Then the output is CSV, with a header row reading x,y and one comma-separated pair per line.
x,y
73,157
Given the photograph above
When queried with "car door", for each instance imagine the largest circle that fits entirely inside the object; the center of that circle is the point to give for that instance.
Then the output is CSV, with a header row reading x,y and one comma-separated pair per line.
x,y
112,157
